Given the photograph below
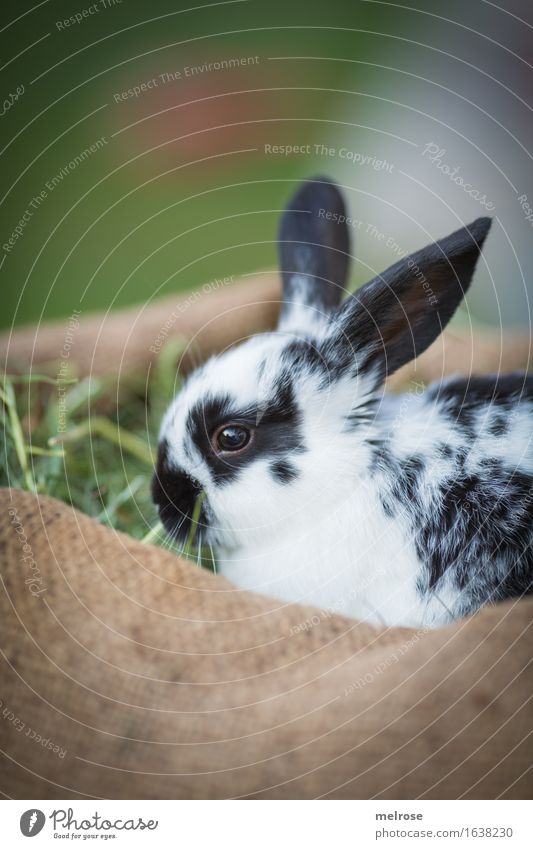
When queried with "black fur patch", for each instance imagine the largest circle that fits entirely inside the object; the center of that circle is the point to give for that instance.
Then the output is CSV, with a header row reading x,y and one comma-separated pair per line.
x,y
487,403
389,506
472,524
479,532
499,426
483,531
445,451
301,355
283,471
463,399
175,493
275,427
474,392
364,414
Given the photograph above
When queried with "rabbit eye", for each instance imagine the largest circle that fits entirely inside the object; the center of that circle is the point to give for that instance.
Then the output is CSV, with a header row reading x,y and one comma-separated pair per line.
x,y
232,437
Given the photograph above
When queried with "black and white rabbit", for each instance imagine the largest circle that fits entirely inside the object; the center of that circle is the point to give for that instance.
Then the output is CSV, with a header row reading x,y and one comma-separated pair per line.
x,y
319,487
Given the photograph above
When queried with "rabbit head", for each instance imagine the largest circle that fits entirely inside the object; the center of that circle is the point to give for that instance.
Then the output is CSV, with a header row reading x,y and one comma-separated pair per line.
x,y
275,429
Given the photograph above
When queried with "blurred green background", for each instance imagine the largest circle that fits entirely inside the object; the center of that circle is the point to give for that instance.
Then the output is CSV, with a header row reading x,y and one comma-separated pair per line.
x,y
182,190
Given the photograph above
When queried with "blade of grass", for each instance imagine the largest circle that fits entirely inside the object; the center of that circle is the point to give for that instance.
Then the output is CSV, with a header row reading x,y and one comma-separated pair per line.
x,y
108,513
153,533
105,428
213,559
88,389
194,524
85,391
8,397
44,452
39,378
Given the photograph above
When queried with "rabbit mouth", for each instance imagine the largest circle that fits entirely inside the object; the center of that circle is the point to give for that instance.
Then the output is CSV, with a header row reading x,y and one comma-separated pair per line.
x,y
180,501
175,495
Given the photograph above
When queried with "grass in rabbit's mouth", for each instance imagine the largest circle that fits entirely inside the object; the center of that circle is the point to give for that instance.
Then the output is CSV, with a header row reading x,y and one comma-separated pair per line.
x,y
101,459
193,548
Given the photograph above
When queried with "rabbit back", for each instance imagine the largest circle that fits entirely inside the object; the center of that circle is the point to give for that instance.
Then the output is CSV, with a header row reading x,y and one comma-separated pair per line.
x,y
459,467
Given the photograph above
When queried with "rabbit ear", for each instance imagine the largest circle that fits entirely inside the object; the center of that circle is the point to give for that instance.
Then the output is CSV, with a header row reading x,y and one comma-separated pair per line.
x,y
396,316
314,249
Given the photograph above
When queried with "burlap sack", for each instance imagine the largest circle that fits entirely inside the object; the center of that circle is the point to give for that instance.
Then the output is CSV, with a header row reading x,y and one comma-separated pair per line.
x,y
129,673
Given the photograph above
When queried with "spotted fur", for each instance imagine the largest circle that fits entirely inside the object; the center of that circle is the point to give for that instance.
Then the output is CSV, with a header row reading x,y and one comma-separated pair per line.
x,y
413,509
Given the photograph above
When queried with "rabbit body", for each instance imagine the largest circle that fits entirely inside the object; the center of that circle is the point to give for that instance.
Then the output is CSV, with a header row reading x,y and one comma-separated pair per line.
x,y
323,489
437,523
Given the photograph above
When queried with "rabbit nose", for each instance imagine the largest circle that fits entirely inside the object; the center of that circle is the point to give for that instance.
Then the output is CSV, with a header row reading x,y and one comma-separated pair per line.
x,y
175,493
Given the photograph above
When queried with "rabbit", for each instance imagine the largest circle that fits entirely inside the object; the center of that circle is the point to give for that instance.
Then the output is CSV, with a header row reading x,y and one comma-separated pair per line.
x,y
322,488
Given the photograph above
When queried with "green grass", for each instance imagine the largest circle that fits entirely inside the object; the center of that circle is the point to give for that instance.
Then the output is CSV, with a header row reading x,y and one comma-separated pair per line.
x,y
102,460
